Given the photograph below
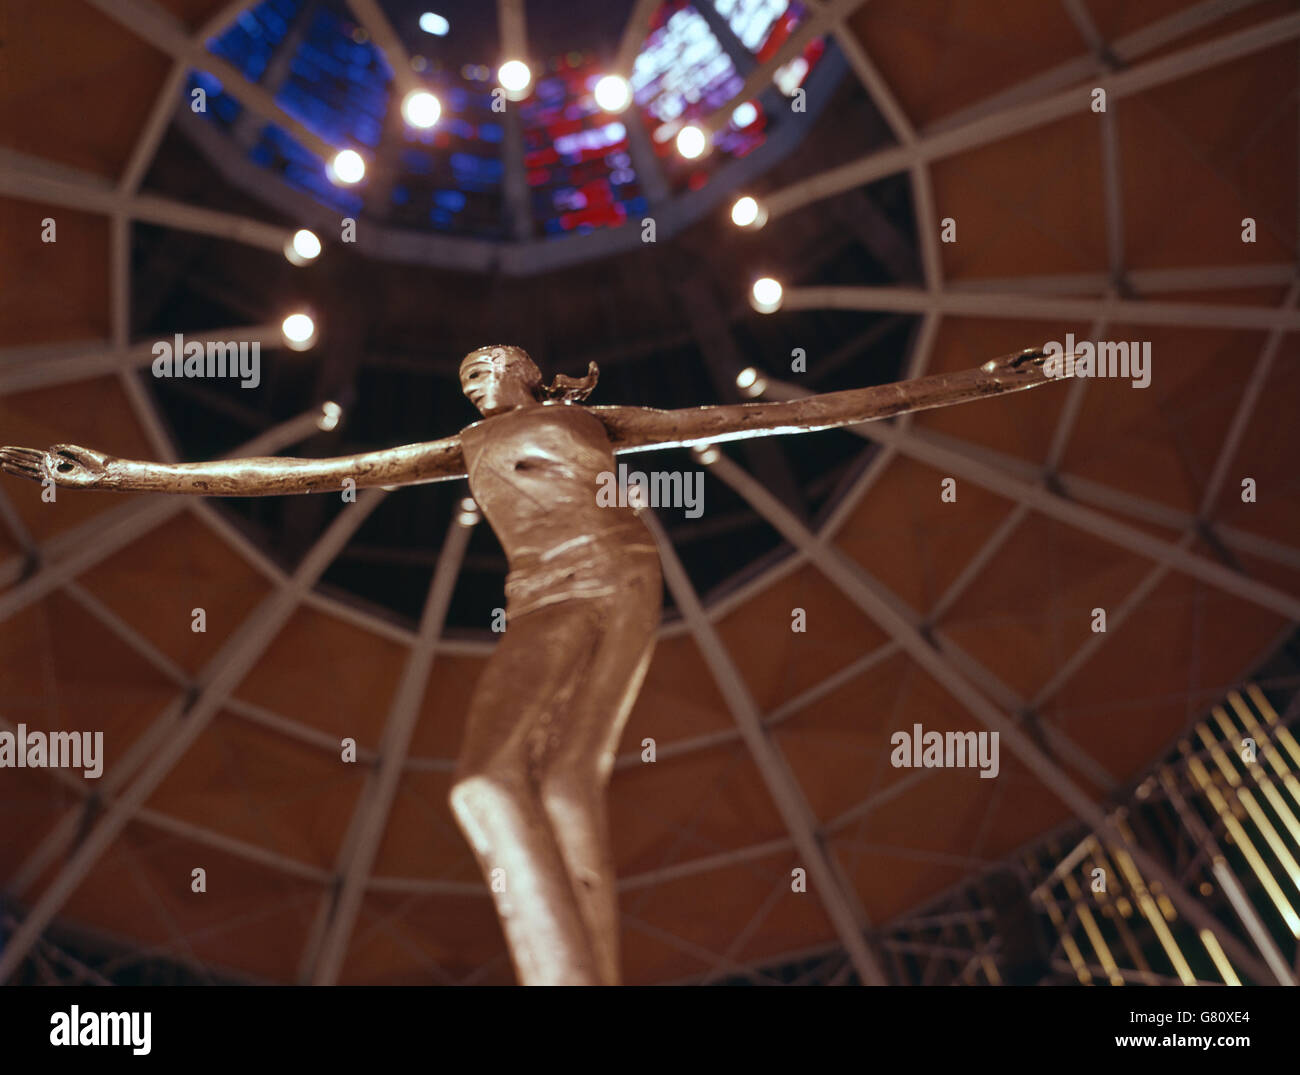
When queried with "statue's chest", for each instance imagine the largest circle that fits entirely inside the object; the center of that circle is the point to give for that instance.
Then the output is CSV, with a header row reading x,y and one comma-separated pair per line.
x,y
561,439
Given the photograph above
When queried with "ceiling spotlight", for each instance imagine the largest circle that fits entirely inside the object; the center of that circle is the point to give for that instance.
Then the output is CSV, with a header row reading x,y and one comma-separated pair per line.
x,y
751,382
747,213
706,453
515,78
347,167
299,332
330,413
613,93
766,295
791,76
469,513
434,24
421,109
691,142
302,247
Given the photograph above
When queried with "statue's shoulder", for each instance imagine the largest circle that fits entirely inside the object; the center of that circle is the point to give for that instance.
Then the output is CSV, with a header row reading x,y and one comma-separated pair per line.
x,y
549,413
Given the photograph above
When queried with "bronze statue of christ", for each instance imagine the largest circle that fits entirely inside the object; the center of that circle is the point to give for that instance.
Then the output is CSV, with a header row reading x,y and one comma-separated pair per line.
x,y
583,598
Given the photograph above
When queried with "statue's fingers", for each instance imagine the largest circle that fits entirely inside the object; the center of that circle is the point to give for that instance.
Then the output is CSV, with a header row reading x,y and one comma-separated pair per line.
x,y
21,456
21,462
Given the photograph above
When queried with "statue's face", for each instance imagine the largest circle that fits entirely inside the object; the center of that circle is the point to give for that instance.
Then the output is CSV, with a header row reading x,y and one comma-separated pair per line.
x,y
495,381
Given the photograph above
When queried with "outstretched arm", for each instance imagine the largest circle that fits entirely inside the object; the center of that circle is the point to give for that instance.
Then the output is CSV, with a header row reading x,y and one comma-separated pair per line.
x,y
85,468
641,428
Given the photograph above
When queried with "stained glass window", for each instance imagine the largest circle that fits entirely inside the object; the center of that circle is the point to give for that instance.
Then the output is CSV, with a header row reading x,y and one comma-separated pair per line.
x,y
248,43
450,179
337,85
684,73
300,167
455,181
576,156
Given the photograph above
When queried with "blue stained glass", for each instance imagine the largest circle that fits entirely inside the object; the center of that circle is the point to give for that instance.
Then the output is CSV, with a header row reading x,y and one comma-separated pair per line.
x,y
480,169
251,40
413,160
226,107
337,87
301,168
461,152
221,107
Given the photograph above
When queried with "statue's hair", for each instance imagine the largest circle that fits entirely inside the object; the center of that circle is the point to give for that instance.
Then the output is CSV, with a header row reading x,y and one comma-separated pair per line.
x,y
573,389
563,388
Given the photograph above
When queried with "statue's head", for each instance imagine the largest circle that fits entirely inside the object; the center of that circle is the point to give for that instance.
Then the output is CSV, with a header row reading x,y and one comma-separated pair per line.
x,y
499,378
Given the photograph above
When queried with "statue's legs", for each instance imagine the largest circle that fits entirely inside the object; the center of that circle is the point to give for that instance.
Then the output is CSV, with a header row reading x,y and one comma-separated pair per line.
x,y
502,817
529,788
577,773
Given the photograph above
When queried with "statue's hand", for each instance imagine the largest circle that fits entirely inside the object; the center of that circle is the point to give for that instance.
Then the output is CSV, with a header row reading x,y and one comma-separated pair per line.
x,y
77,467
22,462
65,464
1031,364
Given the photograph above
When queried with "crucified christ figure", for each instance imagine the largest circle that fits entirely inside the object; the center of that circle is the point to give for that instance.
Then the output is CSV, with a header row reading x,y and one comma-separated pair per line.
x,y
583,599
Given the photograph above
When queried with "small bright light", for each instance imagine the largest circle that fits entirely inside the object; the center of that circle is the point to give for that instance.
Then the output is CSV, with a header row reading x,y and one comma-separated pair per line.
x,y
751,382
469,513
515,78
421,109
330,413
434,24
766,295
299,332
306,244
613,94
691,142
789,77
302,247
347,167
744,115
706,453
748,213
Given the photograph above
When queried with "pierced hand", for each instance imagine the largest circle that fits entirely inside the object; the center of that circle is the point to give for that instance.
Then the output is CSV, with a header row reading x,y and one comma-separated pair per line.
x,y
68,465
1031,364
